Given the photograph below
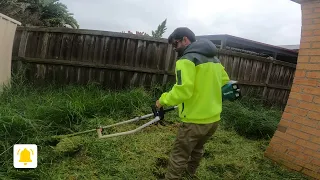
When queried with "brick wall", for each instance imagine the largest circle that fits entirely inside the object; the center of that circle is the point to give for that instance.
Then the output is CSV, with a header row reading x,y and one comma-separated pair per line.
x,y
296,143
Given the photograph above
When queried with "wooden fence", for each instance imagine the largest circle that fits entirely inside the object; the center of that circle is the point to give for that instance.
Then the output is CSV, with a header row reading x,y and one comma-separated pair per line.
x,y
118,60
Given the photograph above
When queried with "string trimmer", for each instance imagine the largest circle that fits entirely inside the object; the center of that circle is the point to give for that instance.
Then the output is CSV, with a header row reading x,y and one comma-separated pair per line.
x,y
230,91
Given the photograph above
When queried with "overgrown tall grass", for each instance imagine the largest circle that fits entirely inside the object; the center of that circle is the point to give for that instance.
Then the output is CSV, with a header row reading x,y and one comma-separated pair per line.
x,y
33,115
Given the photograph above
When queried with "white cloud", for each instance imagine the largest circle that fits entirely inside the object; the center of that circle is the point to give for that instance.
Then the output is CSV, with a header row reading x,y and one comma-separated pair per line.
x,y
269,21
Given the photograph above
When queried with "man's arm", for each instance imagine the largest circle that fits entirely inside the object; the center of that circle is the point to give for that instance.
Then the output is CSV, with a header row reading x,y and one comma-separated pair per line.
x,y
183,88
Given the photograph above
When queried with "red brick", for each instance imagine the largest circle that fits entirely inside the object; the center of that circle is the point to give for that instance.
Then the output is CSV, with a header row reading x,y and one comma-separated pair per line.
x,y
315,21
287,158
315,162
316,44
312,90
285,136
290,145
311,16
307,144
287,116
310,5
306,46
284,123
299,162
296,111
311,173
301,96
317,99
279,148
311,152
308,66
295,125
276,140
316,32
315,59
314,115
309,106
311,167
296,88
309,38
293,152
304,34
307,21
314,74
307,11
305,81
310,130
269,150
305,121
303,157
303,58
300,73
314,10
310,52
291,165
315,139
299,134
293,102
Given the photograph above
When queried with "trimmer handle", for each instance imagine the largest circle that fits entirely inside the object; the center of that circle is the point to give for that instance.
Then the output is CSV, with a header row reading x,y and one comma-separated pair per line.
x,y
169,109
161,112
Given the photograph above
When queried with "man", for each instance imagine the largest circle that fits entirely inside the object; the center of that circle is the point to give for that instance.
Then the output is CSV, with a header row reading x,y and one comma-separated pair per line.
x,y
197,92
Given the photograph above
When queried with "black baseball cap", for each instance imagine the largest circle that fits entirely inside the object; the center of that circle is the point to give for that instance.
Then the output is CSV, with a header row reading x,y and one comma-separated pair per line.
x,y
181,32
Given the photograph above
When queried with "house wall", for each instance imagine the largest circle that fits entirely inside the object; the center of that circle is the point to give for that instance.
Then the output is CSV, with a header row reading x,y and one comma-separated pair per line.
x,y
296,143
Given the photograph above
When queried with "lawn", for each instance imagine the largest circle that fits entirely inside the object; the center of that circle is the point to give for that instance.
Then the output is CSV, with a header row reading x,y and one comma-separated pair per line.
x,y
30,115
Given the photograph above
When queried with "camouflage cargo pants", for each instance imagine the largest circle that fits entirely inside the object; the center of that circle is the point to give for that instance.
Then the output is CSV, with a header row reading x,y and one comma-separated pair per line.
x,y
188,148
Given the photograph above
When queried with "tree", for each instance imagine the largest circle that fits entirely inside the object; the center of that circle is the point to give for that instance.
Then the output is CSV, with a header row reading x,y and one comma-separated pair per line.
x,y
56,14
161,30
50,13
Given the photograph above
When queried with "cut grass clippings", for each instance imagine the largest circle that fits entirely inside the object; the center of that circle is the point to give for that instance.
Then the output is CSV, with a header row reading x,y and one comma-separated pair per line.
x,y
31,115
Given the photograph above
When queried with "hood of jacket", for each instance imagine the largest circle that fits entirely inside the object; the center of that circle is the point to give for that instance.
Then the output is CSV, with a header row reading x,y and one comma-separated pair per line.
x,y
202,46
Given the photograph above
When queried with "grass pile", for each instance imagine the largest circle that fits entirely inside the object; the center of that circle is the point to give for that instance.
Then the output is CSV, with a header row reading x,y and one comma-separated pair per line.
x,y
30,115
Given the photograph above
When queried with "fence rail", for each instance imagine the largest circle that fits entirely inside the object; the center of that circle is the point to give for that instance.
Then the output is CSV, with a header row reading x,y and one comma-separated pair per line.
x,y
118,60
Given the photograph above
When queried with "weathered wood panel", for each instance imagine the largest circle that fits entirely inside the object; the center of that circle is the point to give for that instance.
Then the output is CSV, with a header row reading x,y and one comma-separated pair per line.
x,y
118,60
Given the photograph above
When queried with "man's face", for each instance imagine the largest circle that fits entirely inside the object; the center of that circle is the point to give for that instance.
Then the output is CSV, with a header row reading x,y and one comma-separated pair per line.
x,y
179,45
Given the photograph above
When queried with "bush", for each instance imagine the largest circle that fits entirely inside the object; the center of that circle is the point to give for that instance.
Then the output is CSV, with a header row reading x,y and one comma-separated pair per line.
x,y
251,120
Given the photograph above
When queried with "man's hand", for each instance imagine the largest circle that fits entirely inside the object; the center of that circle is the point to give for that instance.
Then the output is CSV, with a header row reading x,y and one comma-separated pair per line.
x,y
158,105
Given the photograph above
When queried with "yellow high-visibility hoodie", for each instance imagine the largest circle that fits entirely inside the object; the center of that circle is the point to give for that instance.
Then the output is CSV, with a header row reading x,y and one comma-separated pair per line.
x,y
199,79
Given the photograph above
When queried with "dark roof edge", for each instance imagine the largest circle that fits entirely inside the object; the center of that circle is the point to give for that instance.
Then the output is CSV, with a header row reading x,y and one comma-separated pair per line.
x,y
246,40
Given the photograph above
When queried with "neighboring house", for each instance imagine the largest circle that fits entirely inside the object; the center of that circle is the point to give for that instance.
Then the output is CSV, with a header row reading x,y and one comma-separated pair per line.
x,y
234,43
292,47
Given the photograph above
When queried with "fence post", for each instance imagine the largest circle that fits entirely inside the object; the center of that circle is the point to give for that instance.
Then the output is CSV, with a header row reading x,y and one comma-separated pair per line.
x,y
167,63
44,45
23,44
268,77
22,48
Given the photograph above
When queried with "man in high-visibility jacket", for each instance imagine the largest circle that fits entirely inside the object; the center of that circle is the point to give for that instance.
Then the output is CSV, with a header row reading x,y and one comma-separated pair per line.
x,y
197,92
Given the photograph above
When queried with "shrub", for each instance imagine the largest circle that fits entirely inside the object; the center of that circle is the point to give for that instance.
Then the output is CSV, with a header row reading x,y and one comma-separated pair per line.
x,y
251,120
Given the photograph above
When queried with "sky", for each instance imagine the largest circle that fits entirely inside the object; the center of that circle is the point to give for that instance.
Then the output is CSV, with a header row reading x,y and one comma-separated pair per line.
x,y
276,22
